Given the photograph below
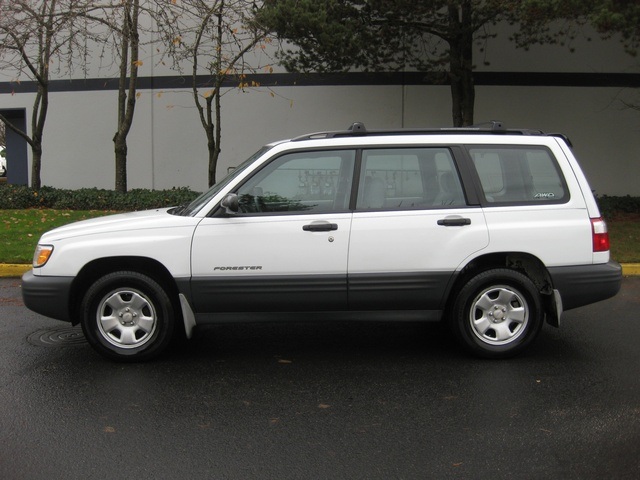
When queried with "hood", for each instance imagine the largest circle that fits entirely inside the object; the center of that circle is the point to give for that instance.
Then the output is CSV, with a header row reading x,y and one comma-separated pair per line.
x,y
123,222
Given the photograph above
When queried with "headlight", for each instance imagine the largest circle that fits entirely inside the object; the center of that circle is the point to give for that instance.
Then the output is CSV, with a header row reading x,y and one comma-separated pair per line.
x,y
41,255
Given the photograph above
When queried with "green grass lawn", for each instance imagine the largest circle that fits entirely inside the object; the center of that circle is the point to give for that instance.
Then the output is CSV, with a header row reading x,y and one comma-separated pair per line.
x,y
624,233
21,229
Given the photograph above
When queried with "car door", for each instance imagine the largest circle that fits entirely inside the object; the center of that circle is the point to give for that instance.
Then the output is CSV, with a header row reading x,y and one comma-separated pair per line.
x,y
286,249
411,229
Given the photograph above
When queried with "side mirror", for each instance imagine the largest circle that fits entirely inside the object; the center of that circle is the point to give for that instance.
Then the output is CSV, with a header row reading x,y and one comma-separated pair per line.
x,y
230,204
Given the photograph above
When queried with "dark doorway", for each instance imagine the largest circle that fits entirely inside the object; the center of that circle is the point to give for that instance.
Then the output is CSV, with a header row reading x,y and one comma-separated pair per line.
x,y
17,158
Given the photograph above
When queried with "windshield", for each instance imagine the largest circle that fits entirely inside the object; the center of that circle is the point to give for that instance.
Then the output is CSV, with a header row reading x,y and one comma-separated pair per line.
x,y
203,199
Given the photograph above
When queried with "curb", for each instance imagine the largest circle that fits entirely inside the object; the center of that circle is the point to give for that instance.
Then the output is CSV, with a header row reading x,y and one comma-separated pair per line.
x,y
630,269
8,270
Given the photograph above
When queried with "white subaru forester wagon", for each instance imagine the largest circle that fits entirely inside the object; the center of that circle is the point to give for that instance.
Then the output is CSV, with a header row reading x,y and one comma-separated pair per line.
x,y
492,230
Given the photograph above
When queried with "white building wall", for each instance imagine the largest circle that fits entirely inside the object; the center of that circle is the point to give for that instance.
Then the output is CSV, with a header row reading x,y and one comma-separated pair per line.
x,y
167,146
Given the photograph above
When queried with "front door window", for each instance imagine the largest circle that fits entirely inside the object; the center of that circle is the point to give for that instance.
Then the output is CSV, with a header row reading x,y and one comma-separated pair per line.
x,y
305,182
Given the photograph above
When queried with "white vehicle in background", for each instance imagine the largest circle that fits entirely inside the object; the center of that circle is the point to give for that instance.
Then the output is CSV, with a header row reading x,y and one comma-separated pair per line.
x,y
494,231
3,162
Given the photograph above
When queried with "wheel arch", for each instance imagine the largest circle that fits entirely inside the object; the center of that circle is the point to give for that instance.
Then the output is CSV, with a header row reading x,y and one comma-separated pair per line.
x,y
522,262
100,267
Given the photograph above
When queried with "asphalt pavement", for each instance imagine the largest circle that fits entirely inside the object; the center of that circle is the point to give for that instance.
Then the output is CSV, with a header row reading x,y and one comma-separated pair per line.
x,y
323,401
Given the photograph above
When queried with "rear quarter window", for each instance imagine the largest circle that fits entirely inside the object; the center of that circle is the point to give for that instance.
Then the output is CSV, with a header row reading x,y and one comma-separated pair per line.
x,y
519,175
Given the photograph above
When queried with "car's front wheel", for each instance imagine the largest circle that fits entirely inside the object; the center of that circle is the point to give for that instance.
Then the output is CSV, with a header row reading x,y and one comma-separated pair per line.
x,y
497,313
127,316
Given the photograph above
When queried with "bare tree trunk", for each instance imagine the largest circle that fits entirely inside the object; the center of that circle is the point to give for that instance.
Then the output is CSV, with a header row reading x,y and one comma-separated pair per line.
x,y
38,118
461,65
213,134
41,103
213,160
126,90
214,149
209,129
120,147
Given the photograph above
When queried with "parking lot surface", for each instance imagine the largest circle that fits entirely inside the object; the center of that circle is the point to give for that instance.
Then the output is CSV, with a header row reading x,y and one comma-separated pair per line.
x,y
323,401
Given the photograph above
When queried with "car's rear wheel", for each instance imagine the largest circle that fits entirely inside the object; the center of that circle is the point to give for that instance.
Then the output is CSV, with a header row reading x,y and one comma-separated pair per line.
x,y
127,316
497,313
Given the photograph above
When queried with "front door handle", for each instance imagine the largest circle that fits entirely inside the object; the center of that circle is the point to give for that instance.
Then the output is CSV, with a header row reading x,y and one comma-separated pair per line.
x,y
454,222
320,227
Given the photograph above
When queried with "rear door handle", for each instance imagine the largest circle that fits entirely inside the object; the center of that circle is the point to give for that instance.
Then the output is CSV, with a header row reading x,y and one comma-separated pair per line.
x,y
320,227
454,222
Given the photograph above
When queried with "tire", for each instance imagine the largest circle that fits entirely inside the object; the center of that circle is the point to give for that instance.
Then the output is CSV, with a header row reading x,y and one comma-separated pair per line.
x,y
497,314
127,316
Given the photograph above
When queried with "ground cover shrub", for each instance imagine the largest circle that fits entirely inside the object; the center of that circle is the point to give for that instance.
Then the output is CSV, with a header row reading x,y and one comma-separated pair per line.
x,y
22,197
613,206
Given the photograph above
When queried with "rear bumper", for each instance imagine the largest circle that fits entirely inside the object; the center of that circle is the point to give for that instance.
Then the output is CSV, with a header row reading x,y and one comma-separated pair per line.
x,y
48,296
585,284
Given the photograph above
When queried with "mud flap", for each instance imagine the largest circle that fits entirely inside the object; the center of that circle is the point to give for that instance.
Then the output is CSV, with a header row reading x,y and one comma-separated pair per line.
x,y
553,308
188,316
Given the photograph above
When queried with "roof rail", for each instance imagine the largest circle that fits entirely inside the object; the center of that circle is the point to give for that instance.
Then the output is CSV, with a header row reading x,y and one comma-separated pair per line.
x,y
494,126
358,129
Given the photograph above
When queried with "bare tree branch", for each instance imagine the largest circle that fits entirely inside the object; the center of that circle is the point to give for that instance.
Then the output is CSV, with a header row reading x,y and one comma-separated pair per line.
x,y
224,33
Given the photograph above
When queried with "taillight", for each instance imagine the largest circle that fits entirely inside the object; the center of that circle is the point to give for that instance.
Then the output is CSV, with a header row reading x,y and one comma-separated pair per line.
x,y
600,235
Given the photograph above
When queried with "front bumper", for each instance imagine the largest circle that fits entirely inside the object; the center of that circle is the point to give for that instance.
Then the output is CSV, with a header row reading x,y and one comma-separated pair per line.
x,y
585,284
48,296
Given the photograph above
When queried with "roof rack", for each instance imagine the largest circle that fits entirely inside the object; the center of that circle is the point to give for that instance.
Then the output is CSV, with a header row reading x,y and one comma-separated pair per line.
x,y
358,129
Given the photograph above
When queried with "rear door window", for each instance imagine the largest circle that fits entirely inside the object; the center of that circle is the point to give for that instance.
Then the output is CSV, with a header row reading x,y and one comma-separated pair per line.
x,y
408,178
